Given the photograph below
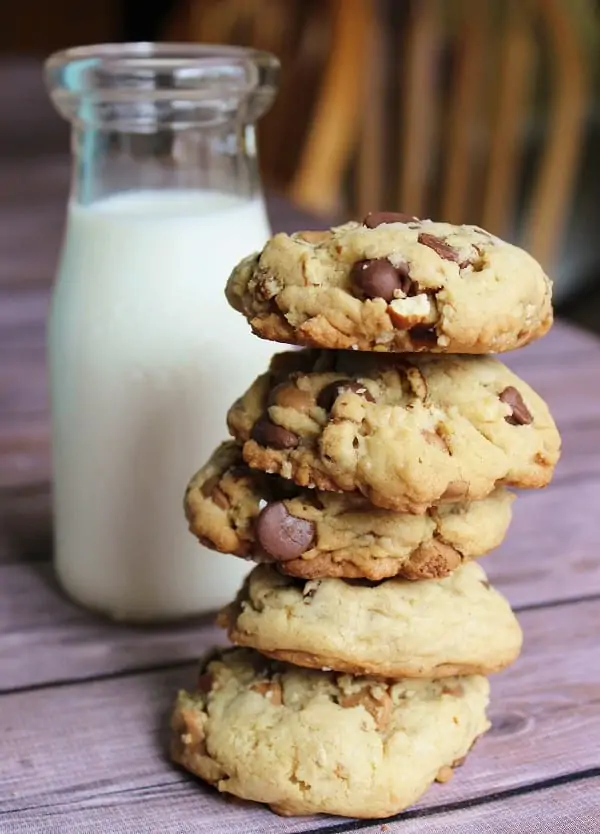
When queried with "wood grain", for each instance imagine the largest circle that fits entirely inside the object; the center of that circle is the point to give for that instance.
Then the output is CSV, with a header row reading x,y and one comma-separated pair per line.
x,y
534,809
545,808
105,743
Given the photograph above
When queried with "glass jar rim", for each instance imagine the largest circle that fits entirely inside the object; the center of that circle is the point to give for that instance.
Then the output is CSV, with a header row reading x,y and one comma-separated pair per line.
x,y
120,82
178,54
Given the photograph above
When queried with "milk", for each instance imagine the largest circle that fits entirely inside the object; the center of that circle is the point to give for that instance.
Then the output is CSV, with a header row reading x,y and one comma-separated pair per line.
x,y
145,358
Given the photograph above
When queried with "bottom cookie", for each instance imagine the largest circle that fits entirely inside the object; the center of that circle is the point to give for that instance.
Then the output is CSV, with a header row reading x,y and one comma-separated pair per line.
x,y
308,742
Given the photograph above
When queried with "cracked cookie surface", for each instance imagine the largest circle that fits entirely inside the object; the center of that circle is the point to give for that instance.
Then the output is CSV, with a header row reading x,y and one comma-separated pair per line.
x,y
395,628
307,742
415,285
407,431
235,509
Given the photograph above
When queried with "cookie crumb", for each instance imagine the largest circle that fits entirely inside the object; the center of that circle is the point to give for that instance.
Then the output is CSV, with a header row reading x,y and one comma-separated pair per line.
x,y
444,774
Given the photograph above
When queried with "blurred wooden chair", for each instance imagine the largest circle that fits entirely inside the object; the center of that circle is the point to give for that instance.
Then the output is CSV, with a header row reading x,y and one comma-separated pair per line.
x,y
477,81
431,113
308,137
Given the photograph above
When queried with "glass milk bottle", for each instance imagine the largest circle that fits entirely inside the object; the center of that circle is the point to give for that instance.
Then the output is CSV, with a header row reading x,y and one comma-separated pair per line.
x,y
145,354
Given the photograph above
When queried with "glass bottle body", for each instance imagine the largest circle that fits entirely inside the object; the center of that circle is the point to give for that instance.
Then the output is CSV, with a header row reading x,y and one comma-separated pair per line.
x,y
145,354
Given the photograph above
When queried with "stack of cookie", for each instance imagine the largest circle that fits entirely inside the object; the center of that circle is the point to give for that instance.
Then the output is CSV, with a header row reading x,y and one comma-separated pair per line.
x,y
367,472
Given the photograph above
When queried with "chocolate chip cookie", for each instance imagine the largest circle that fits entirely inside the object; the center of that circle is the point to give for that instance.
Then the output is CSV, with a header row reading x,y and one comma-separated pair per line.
x,y
395,628
408,431
235,509
394,283
307,742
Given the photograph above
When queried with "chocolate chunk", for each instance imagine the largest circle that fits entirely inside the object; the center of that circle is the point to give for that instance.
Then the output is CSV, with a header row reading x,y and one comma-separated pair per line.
x,y
378,218
424,333
521,416
204,683
267,433
443,249
363,582
240,470
379,278
208,486
281,535
281,488
329,394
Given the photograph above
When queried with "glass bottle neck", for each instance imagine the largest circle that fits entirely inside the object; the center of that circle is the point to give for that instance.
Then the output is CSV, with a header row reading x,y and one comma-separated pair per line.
x,y
219,158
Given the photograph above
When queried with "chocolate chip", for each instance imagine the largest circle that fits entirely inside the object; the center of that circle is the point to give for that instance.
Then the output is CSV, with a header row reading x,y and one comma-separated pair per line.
x,y
329,394
378,218
440,247
363,582
204,683
282,535
424,334
379,278
521,416
267,433
281,488
240,471
208,486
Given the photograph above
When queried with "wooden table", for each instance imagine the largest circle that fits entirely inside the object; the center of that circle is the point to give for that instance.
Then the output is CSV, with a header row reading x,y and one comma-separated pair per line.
x,y
83,702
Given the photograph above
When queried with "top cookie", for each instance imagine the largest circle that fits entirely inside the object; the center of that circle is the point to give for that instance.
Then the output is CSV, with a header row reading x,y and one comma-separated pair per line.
x,y
394,283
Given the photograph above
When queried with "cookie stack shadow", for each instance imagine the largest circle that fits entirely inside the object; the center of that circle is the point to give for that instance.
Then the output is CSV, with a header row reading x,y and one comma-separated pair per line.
x,y
367,474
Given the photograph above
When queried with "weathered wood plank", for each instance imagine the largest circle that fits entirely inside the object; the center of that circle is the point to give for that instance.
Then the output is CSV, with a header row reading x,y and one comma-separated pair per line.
x,y
550,554
70,644
104,745
551,550
573,807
